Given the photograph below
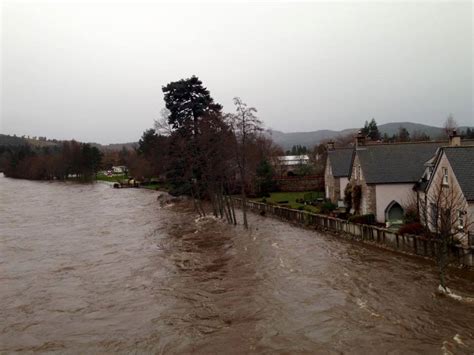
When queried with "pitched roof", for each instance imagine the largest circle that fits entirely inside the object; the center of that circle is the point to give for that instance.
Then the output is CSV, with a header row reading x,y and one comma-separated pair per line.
x,y
462,162
395,163
341,160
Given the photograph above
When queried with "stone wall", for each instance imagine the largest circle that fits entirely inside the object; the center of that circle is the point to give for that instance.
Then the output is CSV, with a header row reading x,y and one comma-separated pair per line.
x,y
297,184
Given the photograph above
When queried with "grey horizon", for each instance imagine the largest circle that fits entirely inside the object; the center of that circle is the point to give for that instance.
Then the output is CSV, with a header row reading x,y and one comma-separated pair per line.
x,y
94,72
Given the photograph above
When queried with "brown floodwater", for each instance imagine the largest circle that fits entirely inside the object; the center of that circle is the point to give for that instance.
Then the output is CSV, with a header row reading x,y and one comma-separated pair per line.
x,y
90,269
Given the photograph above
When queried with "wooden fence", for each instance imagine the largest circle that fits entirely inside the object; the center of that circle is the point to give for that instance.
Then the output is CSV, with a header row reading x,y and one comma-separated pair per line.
x,y
412,244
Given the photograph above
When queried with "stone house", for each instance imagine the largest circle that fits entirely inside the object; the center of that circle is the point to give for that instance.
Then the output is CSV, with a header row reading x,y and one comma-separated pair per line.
x,y
449,173
337,172
386,174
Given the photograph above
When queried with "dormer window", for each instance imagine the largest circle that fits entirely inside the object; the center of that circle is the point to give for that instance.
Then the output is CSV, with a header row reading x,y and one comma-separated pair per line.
x,y
445,176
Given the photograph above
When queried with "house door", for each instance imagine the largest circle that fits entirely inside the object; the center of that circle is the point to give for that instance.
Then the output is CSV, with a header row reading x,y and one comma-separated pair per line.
x,y
394,212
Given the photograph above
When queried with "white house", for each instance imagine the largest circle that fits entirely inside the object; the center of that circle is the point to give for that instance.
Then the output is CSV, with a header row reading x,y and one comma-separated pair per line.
x,y
450,175
386,174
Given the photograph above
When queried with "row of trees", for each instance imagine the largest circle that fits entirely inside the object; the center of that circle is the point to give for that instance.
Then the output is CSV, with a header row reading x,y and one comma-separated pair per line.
x,y
297,150
371,131
68,159
202,151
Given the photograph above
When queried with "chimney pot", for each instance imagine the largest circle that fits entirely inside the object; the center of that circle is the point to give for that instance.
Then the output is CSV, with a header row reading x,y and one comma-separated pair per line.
x,y
454,139
360,139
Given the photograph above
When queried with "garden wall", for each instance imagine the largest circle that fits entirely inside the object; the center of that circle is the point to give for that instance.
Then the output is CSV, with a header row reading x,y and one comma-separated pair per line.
x,y
412,244
297,184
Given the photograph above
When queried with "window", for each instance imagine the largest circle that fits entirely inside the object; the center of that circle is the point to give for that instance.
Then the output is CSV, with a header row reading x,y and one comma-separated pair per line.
x,y
445,176
427,174
461,219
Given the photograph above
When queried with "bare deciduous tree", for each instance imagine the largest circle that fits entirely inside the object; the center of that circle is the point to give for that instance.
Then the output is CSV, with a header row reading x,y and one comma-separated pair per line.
x,y
450,125
162,126
444,214
246,127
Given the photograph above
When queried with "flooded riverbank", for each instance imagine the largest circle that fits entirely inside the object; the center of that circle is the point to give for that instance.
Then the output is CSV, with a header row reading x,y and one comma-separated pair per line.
x,y
86,268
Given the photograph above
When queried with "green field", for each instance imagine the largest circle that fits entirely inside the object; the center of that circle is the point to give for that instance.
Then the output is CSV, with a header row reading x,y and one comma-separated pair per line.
x,y
291,197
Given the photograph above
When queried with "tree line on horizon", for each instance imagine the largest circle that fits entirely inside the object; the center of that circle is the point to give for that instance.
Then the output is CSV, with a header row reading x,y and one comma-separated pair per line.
x,y
70,159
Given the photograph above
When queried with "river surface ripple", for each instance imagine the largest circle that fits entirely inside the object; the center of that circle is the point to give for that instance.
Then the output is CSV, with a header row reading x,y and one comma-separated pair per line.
x,y
90,269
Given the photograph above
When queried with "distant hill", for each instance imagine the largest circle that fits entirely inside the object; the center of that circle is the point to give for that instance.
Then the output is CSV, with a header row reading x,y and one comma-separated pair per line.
x,y
285,140
309,139
7,140
115,146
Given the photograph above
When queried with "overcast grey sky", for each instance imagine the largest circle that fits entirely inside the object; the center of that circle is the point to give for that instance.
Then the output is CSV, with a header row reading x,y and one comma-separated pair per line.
x,y
93,71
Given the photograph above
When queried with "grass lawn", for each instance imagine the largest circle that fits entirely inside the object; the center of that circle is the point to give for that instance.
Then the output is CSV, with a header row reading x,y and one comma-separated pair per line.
x,y
291,197
113,178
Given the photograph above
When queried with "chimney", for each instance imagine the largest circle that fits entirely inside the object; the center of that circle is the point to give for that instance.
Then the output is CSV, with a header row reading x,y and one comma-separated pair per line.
x,y
454,139
330,145
360,139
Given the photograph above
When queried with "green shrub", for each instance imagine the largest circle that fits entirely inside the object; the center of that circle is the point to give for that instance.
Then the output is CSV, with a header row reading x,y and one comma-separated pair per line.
x,y
363,219
411,216
282,202
348,197
301,208
356,197
309,209
328,207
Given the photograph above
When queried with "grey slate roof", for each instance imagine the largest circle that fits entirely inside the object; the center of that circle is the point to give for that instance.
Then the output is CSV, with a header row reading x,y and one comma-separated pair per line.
x,y
341,160
462,162
395,163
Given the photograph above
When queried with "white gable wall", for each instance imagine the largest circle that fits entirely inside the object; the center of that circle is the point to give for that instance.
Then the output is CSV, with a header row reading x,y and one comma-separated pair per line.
x,y
386,193
343,181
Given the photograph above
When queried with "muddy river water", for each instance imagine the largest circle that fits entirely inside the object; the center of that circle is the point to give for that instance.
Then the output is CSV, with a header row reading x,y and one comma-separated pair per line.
x,y
89,269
